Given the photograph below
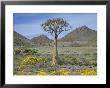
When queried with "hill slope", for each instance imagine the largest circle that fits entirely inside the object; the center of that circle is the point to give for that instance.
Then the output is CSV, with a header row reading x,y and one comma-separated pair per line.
x,y
41,40
20,40
82,36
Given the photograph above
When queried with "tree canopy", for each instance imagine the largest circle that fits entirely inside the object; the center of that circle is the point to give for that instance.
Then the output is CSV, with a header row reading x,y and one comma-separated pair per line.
x,y
55,26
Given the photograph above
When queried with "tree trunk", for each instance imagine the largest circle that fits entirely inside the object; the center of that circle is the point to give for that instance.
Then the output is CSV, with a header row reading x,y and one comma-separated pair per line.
x,y
55,52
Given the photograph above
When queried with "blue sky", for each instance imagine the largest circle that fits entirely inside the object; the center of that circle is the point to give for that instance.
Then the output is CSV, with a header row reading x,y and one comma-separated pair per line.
x,y
29,24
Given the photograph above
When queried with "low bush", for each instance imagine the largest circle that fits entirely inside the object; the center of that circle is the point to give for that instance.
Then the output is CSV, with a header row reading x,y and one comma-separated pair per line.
x,y
63,71
27,60
88,72
17,51
29,51
42,73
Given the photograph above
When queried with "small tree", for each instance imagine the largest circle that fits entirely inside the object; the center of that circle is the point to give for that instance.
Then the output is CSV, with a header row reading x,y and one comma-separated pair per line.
x,y
55,27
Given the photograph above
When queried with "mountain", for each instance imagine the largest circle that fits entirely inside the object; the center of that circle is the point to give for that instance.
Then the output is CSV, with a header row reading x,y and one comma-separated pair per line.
x,y
82,36
41,40
20,40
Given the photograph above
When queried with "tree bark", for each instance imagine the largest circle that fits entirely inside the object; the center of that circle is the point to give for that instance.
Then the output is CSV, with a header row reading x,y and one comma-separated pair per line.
x,y
55,52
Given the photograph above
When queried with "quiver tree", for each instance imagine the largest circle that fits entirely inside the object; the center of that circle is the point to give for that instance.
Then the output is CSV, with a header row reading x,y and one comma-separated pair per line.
x,y
55,27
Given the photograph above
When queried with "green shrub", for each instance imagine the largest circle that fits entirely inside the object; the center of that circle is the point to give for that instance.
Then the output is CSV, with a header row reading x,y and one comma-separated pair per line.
x,y
22,67
29,51
69,60
17,51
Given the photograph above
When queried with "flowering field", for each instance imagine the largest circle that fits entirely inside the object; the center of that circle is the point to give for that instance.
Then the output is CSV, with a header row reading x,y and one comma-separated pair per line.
x,y
71,61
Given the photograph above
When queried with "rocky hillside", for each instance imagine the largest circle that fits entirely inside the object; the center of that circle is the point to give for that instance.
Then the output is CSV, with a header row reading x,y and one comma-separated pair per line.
x,y
83,36
41,40
20,40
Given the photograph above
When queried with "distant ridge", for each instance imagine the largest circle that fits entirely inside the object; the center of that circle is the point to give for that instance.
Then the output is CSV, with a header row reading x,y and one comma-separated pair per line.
x,y
41,40
81,36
